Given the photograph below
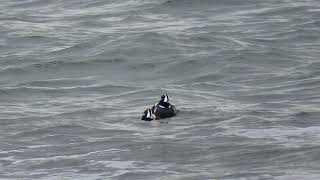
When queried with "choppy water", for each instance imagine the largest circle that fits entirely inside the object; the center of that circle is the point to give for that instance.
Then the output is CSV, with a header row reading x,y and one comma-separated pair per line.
x,y
75,76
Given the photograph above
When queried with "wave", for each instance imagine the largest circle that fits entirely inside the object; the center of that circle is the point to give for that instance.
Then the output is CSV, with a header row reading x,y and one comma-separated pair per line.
x,y
33,4
73,129
58,64
201,78
32,39
45,88
208,3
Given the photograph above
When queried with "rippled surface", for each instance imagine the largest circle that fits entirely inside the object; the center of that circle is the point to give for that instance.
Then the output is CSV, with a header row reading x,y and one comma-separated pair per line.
x,y
75,77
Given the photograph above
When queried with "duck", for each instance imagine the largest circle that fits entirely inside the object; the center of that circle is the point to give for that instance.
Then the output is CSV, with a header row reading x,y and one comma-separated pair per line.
x,y
162,109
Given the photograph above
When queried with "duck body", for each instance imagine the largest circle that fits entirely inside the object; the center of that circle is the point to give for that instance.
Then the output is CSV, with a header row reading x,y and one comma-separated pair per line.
x,y
161,112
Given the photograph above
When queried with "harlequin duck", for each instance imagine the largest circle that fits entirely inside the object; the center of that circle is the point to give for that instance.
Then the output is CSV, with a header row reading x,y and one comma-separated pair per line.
x,y
147,115
162,109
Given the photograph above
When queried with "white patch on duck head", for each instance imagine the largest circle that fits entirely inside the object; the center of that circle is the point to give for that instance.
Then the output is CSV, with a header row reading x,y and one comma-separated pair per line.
x,y
166,98
149,113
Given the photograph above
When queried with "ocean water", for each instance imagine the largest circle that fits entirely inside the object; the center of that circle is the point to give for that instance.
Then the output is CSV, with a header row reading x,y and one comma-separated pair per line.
x,y
76,75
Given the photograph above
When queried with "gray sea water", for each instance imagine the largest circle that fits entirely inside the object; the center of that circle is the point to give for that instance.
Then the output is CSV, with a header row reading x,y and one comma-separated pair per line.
x,y
76,75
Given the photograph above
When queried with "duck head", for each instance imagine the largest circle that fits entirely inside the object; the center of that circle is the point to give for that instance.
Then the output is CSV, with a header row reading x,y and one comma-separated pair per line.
x,y
147,115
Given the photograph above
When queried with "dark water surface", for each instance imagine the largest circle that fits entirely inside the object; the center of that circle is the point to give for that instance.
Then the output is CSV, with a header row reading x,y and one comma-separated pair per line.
x,y
75,76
